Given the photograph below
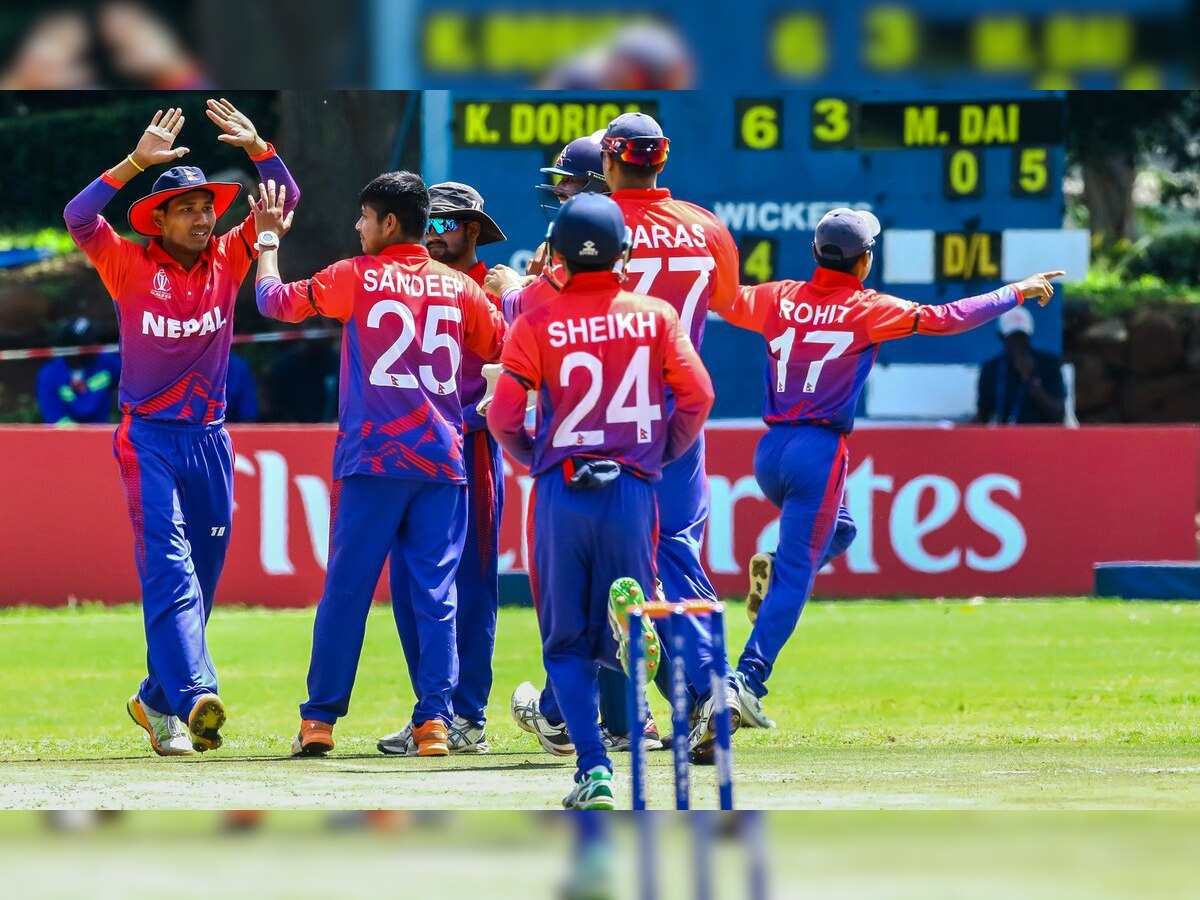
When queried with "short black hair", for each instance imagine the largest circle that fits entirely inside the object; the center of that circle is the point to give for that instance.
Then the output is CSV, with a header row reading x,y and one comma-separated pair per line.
x,y
630,170
845,266
404,195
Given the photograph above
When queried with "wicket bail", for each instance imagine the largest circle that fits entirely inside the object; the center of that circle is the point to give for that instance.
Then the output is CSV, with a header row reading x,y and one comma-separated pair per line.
x,y
639,708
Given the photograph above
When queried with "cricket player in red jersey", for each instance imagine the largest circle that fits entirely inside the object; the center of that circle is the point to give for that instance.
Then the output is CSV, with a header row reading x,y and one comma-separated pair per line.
x,y
601,360
457,226
399,481
174,301
822,338
683,254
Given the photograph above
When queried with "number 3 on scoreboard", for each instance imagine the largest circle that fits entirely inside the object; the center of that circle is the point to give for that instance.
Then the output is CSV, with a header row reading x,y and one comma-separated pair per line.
x,y
635,381
839,342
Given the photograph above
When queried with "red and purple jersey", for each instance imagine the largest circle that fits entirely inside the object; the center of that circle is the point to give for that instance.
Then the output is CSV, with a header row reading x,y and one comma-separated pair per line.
x,y
408,321
601,360
175,324
472,383
682,253
823,336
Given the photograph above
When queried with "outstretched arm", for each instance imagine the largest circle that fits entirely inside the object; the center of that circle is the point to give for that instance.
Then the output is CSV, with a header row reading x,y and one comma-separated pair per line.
x,y
238,131
895,318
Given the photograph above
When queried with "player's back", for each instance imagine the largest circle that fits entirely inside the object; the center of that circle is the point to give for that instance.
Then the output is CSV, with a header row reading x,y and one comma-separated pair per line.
x,y
408,319
599,354
681,253
822,339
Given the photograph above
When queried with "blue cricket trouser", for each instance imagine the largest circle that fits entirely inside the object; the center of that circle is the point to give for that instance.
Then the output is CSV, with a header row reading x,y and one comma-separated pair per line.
x,y
682,516
370,517
583,540
178,482
477,582
802,470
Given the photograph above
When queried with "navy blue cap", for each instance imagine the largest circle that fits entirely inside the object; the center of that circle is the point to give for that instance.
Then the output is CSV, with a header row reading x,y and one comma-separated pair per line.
x,y
845,233
579,159
633,125
590,228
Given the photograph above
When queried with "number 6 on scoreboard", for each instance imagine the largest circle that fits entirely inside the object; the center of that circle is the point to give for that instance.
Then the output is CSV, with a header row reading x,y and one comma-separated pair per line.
x,y
839,342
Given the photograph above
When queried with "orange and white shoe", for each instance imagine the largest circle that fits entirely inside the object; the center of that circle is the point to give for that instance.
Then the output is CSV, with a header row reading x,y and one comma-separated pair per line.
x,y
168,737
432,738
315,739
205,721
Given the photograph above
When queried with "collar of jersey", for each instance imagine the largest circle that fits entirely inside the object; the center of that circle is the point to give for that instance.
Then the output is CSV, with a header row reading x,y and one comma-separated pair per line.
x,y
642,194
592,281
830,279
159,253
478,272
405,251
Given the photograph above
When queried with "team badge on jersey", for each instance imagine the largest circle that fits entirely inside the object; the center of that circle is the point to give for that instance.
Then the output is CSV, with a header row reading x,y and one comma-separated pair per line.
x,y
162,285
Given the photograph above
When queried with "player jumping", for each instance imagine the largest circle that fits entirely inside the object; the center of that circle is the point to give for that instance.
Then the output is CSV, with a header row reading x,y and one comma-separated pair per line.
x,y
822,338
174,301
399,482
601,360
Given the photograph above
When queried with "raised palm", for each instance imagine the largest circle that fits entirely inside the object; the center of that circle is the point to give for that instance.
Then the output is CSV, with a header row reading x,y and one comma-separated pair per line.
x,y
238,129
157,144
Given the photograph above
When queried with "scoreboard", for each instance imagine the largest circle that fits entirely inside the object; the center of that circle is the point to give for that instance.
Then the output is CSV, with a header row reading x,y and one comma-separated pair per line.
x,y
968,189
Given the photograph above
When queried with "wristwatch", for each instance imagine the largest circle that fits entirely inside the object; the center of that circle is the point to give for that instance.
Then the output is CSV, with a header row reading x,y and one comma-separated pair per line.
x,y
267,240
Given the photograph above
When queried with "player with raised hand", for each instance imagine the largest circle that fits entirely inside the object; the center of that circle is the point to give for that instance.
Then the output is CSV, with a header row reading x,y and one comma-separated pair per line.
x,y
399,482
822,338
175,301
601,360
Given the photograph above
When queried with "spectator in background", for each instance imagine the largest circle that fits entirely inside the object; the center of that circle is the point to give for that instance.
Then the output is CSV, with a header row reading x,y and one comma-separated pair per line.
x,y
1021,386
303,383
241,393
76,389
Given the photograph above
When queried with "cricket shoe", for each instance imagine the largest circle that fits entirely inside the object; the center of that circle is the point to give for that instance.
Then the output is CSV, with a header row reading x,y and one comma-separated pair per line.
x,y
592,791
753,714
205,721
465,737
168,737
625,595
314,739
620,743
761,565
432,738
527,713
702,738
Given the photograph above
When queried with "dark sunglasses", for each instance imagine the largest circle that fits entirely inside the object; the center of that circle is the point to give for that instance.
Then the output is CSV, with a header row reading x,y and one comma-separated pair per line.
x,y
638,151
441,226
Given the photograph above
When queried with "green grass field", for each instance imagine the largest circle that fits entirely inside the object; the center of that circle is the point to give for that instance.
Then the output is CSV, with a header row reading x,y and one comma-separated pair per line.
x,y
1049,704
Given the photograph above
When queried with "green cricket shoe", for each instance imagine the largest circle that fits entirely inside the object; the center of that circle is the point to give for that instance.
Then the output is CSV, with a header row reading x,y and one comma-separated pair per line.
x,y
624,595
592,791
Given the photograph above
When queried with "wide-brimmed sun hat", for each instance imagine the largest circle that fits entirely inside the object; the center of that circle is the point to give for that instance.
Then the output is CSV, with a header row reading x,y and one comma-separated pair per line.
x,y
172,183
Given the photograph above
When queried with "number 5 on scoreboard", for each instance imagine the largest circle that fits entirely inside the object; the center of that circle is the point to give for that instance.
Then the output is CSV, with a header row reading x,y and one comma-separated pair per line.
x,y
839,342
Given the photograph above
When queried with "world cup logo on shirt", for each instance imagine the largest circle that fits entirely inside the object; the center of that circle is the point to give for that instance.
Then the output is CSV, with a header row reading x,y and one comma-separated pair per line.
x,y
162,285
